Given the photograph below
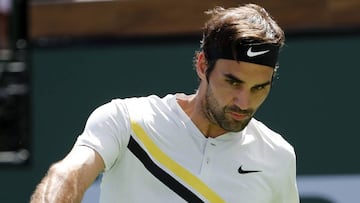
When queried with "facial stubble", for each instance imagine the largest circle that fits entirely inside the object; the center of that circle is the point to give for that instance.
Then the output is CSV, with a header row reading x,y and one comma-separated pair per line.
x,y
217,114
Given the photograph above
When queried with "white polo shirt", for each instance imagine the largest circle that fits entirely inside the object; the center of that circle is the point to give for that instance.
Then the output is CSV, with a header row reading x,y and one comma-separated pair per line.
x,y
153,152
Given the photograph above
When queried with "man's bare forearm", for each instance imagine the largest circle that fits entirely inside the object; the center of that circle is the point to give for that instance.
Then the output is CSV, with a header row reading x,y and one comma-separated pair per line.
x,y
67,180
58,186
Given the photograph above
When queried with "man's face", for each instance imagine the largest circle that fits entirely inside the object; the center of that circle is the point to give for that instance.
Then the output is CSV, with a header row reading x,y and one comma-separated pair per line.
x,y
234,92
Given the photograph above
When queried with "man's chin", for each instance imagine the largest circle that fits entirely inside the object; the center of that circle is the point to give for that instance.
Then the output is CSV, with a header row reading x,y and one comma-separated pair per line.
x,y
236,126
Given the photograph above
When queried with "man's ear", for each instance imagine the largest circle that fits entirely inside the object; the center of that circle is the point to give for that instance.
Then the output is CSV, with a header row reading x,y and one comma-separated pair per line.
x,y
201,66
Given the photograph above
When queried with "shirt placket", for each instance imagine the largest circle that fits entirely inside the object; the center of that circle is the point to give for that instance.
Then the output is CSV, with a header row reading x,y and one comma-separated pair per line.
x,y
208,159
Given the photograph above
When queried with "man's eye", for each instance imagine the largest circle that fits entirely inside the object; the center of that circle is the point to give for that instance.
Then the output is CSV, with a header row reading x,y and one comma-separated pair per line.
x,y
258,88
234,83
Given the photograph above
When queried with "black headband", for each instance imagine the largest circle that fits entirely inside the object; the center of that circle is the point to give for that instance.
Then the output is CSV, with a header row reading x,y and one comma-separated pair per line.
x,y
258,53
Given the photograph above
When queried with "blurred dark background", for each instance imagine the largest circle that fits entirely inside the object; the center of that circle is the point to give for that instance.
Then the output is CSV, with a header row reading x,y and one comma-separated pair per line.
x,y
59,60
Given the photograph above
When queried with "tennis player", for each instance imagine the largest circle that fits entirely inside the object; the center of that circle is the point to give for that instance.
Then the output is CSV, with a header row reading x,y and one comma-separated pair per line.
x,y
204,147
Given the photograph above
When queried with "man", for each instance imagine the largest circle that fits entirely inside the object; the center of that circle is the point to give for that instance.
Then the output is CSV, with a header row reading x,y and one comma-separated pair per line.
x,y
205,147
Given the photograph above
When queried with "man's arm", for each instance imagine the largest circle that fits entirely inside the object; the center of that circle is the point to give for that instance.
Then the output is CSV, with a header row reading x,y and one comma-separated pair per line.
x,y
68,179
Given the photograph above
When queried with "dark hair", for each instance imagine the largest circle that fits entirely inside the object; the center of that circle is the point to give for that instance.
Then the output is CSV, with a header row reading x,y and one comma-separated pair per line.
x,y
248,22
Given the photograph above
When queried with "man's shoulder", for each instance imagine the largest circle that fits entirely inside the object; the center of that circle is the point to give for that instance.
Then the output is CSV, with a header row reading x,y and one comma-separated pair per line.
x,y
143,99
145,106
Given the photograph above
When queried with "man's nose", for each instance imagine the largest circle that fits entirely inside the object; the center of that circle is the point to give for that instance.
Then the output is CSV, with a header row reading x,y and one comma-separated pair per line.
x,y
242,99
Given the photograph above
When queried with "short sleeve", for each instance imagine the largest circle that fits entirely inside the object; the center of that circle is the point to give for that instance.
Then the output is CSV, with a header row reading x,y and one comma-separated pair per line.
x,y
288,190
107,131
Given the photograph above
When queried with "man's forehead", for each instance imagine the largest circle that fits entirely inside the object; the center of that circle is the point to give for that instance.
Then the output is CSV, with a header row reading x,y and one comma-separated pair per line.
x,y
243,66
244,70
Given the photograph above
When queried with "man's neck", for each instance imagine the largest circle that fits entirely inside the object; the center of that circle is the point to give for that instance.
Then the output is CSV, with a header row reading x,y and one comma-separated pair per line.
x,y
191,105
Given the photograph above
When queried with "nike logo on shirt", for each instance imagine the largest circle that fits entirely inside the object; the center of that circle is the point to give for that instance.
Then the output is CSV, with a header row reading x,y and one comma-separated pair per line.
x,y
242,171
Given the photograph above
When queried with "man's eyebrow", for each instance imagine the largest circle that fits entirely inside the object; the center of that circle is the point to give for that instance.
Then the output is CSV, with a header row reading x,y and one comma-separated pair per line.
x,y
263,84
233,78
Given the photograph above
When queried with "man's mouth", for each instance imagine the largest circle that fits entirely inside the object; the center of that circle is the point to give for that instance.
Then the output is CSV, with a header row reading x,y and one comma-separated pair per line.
x,y
238,116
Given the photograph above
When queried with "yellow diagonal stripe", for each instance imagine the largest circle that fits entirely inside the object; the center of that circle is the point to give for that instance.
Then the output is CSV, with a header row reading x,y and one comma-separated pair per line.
x,y
174,167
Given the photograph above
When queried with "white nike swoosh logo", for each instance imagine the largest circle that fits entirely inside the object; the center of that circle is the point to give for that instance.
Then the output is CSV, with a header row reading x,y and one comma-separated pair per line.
x,y
251,53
